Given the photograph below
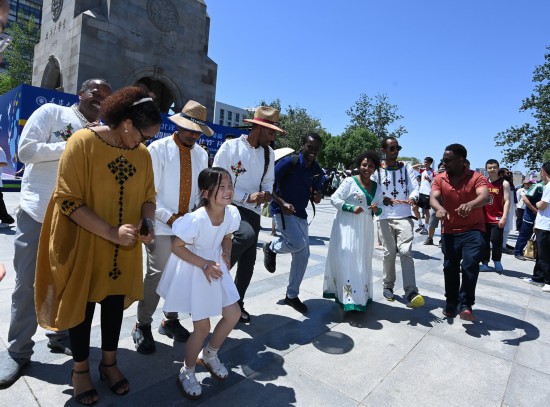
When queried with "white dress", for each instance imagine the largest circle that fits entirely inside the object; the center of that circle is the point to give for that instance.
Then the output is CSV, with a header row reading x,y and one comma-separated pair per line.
x,y
348,270
184,286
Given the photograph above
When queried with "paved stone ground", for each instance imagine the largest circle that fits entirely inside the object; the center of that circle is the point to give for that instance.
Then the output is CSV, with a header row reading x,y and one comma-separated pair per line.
x,y
388,356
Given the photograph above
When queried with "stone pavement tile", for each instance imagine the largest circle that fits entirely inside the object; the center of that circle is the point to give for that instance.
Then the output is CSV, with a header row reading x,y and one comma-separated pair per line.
x,y
535,355
441,373
18,394
357,356
290,386
483,335
527,387
541,325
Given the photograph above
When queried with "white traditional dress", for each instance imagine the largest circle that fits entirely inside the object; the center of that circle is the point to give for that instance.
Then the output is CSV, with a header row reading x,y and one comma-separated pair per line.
x,y
348,270
184,286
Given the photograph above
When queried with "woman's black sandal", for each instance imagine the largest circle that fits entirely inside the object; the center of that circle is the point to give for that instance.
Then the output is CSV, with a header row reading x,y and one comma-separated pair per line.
x,y
88,393
118,385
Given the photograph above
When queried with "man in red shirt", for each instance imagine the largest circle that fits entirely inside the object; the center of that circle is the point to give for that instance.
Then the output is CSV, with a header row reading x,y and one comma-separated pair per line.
x,y
463,193
496,214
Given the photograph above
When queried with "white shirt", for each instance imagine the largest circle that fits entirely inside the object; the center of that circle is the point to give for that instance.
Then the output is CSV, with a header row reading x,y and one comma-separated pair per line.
x,y
3,160
389,182
520,193
165,155
246,166
40,147
426,179
542,221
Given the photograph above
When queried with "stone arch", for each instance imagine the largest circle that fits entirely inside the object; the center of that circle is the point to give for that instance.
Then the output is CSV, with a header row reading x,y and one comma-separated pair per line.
x,y
52,78
157,81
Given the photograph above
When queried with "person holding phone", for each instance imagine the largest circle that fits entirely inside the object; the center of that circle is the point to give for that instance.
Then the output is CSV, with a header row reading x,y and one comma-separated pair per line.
x,y
297,180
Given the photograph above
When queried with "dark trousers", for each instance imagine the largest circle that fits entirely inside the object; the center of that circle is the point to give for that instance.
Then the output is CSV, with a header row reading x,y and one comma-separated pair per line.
x,y
465,248
243,252
541,272
493,237
519,218
4,215
112,308
525,234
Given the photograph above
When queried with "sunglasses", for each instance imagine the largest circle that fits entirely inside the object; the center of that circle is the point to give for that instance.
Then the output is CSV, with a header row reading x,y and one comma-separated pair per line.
x,y
393,148
143,138
5,41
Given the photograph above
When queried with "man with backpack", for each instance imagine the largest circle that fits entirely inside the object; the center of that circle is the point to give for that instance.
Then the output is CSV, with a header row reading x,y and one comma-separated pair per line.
x,y
298,180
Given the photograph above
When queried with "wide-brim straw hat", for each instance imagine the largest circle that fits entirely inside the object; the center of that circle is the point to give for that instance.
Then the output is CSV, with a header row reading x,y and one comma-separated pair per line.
x,y
193,118
267,117
282,152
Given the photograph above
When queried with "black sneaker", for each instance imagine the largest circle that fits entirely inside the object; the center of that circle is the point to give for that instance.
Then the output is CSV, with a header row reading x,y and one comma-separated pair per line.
x,y
173,329
9,220
296,304
429,242
424,231
61,345
143,338
269,258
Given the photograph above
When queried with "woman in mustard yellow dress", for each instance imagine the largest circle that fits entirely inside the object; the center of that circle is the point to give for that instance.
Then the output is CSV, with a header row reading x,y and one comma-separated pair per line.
x,y
90,245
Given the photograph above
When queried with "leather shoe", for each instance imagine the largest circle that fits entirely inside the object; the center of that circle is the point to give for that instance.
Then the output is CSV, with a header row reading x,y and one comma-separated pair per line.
x,y
10,369
61,345
173,329
269,258
296,304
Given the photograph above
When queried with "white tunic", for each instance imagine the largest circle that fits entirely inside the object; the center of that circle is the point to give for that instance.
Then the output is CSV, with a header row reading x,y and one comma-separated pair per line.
x,y
184,286
348,270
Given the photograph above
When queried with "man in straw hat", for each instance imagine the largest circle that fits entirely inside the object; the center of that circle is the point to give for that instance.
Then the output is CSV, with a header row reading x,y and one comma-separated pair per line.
x,y
249,160
177,162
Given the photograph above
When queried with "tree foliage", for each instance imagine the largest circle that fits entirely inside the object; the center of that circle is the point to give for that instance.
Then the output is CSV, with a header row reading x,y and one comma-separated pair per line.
x,y
19,55
377,115
297,122
344,149
529,142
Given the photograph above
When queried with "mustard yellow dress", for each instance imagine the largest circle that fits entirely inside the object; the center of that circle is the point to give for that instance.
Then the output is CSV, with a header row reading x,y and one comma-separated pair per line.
x,y
74,266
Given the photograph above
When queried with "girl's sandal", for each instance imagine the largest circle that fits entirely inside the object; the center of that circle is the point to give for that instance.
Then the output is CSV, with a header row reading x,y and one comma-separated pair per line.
x,y
92,393
118,385
214,366
188,385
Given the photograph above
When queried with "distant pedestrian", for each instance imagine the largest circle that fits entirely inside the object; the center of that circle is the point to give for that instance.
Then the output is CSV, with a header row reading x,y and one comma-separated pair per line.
x,y
348,270
532,196
5,218
196,279
496,216
397,181
463,193
510,220
541,271
520,205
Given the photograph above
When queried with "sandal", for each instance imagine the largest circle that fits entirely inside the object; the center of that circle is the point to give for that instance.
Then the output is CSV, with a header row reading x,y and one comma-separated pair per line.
x,y
188,385
118,385
88,393
214,366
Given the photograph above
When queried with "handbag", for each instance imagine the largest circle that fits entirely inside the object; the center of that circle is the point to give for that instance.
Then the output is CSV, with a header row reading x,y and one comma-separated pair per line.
x,y
530,250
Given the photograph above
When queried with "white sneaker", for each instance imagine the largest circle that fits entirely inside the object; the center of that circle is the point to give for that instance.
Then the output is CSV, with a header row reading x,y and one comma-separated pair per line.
x,y
529,280
546,288
484,267
498,266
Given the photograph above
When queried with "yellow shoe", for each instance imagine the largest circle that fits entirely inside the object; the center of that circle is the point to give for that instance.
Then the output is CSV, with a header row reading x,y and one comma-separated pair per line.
x,y
415,300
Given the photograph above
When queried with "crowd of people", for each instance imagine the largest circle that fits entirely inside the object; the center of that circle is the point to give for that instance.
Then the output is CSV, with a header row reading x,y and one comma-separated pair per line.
x,y
92,193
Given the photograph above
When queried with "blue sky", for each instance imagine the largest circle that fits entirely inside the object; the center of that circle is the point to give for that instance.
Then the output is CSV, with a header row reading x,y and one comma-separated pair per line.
x,y
457,70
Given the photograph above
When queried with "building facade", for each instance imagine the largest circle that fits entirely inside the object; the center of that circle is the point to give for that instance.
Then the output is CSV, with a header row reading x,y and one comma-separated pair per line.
x,y
26,9
160,44
228,115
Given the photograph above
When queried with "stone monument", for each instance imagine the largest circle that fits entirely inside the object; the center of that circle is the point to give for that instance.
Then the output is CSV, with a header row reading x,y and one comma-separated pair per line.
x,y
162,44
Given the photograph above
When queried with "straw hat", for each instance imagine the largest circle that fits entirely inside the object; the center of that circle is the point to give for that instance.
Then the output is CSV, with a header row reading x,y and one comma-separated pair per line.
x,y
282,152
267,117
193,118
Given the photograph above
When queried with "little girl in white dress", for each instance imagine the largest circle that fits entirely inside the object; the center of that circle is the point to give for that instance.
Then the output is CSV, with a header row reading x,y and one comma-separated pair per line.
x,y
196,278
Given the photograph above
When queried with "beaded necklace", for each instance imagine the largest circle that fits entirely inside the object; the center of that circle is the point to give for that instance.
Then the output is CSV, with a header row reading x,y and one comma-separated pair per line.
x,y
80,116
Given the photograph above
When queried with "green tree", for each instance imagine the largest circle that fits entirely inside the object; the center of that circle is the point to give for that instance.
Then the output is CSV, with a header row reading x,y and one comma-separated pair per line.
x,y
19,55
297,122
529,142
344,149
377,115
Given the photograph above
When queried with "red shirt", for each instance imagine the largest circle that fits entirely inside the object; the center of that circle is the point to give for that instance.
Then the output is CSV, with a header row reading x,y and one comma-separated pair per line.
x,y
495,207
455,195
